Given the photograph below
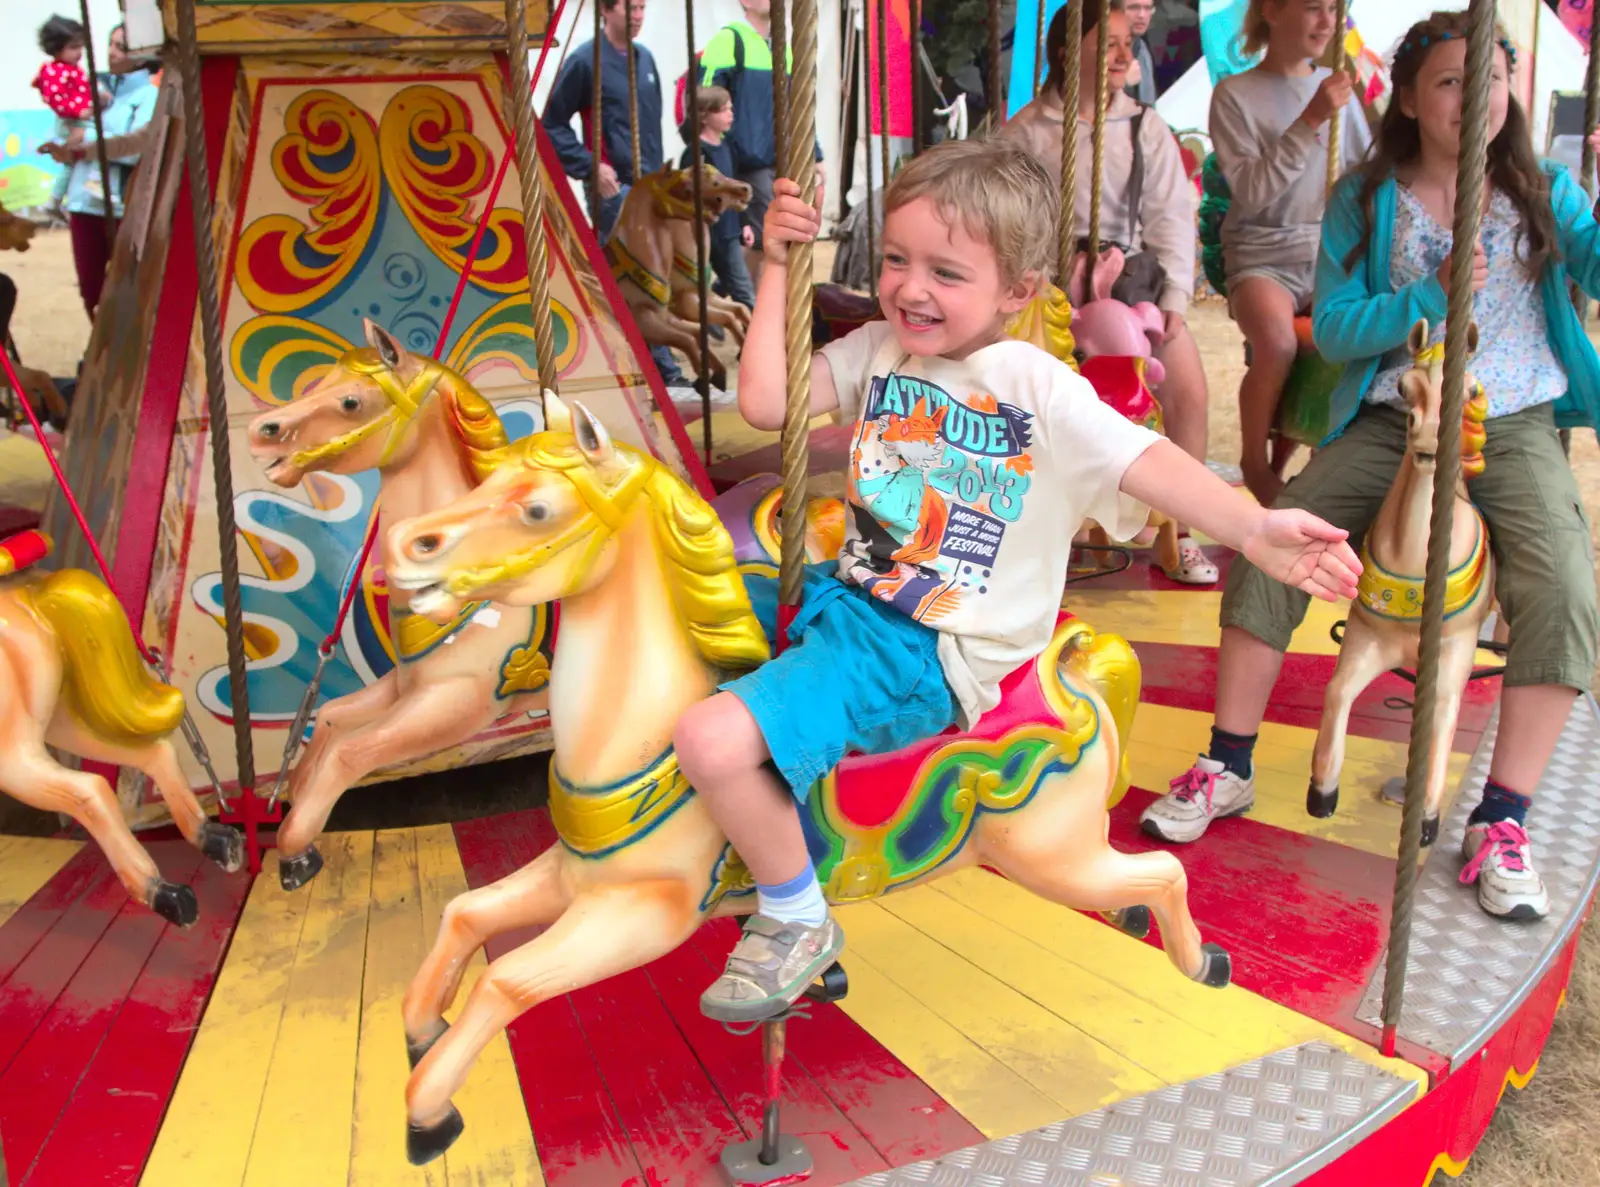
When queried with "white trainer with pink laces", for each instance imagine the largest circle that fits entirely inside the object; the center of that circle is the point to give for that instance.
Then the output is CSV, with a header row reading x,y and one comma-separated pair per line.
x,y
1203,793
1194,567
1500,860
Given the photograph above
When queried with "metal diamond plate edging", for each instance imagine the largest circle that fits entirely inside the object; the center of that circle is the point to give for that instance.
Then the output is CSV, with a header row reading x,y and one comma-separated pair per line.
x,y
1273,1121
1467,972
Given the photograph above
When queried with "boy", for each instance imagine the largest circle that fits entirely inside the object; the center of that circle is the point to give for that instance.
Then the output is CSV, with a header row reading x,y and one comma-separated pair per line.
x,y
974,460
728,233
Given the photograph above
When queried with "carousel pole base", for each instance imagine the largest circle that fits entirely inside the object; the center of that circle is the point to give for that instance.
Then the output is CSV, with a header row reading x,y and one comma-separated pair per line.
x,y
744,1168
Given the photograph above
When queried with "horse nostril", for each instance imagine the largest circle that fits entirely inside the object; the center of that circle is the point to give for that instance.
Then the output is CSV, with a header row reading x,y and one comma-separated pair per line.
x,y
426,544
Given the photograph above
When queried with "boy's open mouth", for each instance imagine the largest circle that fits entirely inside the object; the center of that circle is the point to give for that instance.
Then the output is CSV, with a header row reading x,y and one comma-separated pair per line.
x,y
919,321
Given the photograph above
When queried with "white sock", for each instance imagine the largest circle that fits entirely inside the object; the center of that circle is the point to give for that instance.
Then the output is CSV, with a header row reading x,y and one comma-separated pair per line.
x,y
799,900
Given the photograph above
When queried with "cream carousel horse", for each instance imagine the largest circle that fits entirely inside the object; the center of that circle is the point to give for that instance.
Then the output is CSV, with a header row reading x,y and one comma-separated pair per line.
x,y
653,610
1384,627
432,438
71,677
653,256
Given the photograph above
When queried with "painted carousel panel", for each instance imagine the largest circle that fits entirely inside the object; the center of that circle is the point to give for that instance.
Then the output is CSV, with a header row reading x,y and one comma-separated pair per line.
x,y
242,26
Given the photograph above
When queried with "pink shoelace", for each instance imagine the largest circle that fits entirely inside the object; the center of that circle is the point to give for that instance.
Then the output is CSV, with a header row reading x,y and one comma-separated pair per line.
x,y
1505,841
1194,782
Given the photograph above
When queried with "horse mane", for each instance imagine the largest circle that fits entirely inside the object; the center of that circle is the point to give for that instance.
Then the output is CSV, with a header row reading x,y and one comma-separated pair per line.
x,y
476,425
703,573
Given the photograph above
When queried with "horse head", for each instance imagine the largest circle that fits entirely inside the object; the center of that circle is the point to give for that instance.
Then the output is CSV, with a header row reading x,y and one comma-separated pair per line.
x,y
672,193
1423,390
553,521
364,412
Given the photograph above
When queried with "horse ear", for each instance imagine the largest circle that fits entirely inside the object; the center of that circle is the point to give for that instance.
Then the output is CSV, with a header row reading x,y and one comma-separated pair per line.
x,y
557,416
1075,291
390,351
1418,338
593,440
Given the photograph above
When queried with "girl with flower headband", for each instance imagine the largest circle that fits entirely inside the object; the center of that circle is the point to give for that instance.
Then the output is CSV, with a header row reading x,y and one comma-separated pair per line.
x,y
1384,263
1270,126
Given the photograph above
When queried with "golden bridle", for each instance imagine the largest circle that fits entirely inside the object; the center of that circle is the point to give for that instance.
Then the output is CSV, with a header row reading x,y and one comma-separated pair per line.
x,y
404,404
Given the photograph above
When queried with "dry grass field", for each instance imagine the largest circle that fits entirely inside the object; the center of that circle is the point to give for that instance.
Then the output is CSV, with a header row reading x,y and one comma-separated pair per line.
x,y
1541,1137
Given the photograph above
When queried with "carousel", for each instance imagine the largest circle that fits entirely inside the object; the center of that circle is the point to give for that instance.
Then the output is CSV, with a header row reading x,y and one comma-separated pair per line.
x,y
397,490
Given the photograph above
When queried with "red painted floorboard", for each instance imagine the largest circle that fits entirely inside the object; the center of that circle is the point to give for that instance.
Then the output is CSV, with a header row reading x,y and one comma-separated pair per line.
x,y
36,1087
33,920
109,1127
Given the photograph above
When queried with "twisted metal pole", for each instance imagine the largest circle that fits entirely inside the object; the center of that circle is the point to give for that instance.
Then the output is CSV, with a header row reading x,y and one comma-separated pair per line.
x,y
1097,167
1336,59
99,129
596,113
1591,120
778,39
205,251
702,380
1038,48
1447,470
633,106
883,88
1072,61
916,76
866,152
532,185
997,107
801,167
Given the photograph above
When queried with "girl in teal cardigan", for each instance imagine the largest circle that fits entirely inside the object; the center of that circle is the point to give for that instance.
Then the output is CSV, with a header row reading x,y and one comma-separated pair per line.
x,y
1384,258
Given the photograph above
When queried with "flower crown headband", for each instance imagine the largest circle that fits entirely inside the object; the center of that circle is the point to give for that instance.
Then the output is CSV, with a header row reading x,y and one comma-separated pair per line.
x,y
1410,46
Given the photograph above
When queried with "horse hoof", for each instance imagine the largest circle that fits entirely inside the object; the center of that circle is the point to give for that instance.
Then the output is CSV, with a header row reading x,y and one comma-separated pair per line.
x,y
424,1143
1216,970
1321,804
175,903
295,872
417,1048
1430,830
1135,921
223,845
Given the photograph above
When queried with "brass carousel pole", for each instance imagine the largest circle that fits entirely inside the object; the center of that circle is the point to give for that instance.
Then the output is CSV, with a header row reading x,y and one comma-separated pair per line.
x,y
1072,52
633,104
1591,120
1468,215
702,380
1040,67
1097,166
205,251
596,111
883,87
1336,60
99,128
916,77
997,107
532,186
866,151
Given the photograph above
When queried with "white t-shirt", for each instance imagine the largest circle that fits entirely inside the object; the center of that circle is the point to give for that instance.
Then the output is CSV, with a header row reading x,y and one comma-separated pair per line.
x,y
968,481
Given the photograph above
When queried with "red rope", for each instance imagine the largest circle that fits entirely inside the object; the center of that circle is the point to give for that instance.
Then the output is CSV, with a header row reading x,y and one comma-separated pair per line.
x,y
72,502
332,639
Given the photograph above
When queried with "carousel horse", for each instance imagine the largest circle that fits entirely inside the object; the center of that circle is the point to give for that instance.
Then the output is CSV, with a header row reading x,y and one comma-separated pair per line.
x,y
71,677
653,611
1384,628
432,438
654,257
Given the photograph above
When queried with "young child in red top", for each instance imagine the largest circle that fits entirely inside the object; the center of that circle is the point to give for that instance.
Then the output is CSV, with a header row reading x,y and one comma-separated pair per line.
x,y
64,86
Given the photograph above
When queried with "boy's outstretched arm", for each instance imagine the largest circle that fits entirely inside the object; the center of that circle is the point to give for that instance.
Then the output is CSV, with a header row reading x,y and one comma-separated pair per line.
x,y
763,379
1291,545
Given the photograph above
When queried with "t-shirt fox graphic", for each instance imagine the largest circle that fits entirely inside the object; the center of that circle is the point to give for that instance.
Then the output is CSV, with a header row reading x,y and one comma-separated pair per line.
x,y
967,483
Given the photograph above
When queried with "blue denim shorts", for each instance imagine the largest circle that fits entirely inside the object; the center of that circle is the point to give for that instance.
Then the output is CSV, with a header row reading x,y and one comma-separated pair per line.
x,y
857,676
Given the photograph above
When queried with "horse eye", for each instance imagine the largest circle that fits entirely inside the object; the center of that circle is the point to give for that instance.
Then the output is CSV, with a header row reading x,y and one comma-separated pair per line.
x,y
535,513
350,404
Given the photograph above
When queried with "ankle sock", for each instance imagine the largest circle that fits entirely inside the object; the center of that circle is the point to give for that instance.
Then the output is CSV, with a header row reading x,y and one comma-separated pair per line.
x,y
1500,803
1234,751
799,900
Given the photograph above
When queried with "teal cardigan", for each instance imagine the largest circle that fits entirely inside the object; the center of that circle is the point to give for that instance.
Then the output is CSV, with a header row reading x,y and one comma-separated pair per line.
x,y
1359,316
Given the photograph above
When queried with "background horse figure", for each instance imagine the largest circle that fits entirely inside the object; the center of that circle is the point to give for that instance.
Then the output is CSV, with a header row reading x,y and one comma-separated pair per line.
x,y
1384,629
71,677
432,438
654,257
653,612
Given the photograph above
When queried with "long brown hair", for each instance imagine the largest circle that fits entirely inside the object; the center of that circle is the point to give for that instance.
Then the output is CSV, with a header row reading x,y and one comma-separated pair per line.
x,y
1512,166
1055,40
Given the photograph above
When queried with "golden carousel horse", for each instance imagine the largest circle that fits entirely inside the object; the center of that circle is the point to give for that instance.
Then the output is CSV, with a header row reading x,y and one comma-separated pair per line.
x,y
1384,629
432,438
653,612
71,677
654,258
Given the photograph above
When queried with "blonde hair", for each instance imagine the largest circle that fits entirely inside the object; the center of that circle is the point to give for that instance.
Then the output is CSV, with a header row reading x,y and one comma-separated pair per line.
x,y
996,190
1256,30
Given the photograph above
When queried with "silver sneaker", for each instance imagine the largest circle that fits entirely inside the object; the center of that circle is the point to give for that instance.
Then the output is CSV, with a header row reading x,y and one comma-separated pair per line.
x,y
770,968
1500,860
1203,793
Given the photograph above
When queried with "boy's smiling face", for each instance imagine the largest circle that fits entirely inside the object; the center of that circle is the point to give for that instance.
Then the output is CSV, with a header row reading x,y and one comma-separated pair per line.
x,y
941,288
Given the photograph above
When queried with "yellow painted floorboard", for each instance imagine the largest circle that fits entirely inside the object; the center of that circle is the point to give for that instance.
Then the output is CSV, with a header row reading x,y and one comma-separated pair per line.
x,y
304,1133
497,1149
206,1138
26,864
1166,740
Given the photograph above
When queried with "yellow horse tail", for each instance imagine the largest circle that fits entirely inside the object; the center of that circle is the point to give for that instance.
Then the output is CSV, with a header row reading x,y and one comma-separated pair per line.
x,y
104,681
1110,665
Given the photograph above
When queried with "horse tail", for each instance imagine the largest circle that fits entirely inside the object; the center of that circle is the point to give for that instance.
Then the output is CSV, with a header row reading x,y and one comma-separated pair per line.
x,y
1111,667
104,681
